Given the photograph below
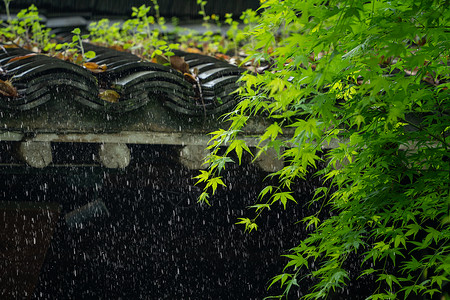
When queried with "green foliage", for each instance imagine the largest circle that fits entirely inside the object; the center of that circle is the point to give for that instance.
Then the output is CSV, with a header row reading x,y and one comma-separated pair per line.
x,y
372,79
26,29
146,35
142,34
74,50
103,31
77,42
249,224
369,78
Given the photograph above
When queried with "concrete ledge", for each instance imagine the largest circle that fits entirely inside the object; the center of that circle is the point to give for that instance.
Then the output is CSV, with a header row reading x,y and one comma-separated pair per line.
x,y
135,137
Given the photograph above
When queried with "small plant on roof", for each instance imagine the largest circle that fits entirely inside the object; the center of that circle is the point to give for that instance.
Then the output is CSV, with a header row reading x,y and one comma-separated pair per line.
x,y
142,34
208,42
105,33
74,50
27,31
77,40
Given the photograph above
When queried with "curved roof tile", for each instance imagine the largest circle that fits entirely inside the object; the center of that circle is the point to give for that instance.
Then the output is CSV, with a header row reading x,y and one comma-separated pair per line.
x,y
40,78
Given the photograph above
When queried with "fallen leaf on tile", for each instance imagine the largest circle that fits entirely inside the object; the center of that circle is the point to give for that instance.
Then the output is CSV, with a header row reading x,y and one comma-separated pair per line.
x,y
109,96
179,64
21,57
7,89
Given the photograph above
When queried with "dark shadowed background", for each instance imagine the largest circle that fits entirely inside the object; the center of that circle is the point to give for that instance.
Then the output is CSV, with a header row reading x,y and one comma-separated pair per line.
x,y
184,9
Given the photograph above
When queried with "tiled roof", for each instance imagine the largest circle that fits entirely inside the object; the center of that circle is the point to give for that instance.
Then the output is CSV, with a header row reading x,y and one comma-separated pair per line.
x,y
40,78
59,97
59,101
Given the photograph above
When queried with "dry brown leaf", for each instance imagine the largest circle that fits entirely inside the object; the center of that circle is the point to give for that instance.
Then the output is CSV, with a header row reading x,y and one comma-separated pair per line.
x,y
118,48
179,64
59,55
193,50
109,96
95,68
28,47
76,59
90,65
7,89
21,57
190,78
222,56
205,47
10,46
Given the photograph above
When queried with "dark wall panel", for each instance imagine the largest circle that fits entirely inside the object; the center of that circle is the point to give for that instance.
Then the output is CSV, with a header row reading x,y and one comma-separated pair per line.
x,y
168,8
